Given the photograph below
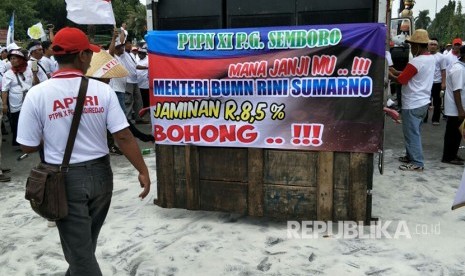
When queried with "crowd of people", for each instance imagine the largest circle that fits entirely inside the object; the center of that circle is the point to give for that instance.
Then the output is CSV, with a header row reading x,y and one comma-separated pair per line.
x,y
429,77
24,67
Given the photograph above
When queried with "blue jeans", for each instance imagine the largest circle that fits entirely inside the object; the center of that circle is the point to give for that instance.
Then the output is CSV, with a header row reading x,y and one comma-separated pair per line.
x,y
411,126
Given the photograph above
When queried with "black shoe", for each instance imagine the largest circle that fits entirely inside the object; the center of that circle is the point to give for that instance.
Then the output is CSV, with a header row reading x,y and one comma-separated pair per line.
x,y
115,151
453,162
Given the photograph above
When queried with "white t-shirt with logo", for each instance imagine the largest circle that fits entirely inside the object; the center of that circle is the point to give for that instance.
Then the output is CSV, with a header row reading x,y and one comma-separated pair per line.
x,y
417,92
47,115
455,80
16,90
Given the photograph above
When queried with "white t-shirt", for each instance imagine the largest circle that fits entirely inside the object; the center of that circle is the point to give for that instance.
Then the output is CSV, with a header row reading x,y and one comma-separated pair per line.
x,y
417,92
440,65
449,60
50,65
143,74
16,90
130,64
41,73
45,116
455,80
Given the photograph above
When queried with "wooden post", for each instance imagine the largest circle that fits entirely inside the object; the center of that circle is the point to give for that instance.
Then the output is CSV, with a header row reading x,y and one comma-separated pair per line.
x,y
165,176
255,185
358,186
324,208
192,177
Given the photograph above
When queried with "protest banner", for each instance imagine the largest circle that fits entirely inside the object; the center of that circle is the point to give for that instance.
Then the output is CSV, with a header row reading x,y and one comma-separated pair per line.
x,y
304,87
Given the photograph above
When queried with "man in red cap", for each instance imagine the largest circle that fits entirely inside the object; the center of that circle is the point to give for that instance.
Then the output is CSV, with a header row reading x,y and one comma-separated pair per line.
x,y
46,119
453,55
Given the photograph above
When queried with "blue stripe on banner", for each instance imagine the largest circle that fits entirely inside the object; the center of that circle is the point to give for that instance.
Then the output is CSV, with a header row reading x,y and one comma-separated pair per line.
x,y
228,43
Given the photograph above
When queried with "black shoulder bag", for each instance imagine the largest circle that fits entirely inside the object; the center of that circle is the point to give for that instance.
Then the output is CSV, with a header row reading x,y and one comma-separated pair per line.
x,y
45,186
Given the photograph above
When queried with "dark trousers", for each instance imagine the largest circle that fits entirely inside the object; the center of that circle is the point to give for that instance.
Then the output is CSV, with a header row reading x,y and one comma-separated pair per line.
x,y
14,118
452,138
145,97
89,189
437,101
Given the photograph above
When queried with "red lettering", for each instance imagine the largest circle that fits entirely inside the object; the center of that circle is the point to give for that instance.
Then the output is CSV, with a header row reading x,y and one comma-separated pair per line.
x,y
89,101
68,101
206,133
57,104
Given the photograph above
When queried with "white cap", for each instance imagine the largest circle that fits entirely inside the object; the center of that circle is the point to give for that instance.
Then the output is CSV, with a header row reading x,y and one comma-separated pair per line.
x,y
12,46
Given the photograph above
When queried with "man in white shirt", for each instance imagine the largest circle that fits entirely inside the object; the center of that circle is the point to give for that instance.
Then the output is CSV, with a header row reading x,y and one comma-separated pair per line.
x,y
454,100
133,98
48,61
416,80
35,55
143,75
45,120
439,82
453,55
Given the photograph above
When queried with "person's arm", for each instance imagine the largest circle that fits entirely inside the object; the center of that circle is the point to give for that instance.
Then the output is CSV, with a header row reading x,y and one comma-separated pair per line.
x,y
28,149
443,79
51,34
407,74
128,145
5,102
458,103
111,47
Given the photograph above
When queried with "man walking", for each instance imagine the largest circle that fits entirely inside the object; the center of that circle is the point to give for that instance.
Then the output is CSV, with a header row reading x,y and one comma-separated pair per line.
x,y
416,80
46,119
454,100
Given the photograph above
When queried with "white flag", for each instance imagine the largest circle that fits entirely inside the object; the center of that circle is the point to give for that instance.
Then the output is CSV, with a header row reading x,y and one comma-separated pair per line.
x,y
10,37
90,12
36,31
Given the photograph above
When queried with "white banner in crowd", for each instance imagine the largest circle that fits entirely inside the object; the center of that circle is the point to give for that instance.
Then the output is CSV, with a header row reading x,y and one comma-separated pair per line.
x,y
36,31
90,12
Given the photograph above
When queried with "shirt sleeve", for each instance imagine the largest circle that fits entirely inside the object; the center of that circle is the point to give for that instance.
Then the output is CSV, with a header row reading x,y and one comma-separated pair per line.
x,y
407,74
6,82
29,124
116,119
456,77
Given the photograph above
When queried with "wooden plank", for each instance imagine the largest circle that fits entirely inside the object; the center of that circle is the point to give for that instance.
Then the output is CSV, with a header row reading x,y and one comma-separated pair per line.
x,y
223,196
192,178
255,185
226,164
165,176
325,186
180,176
295,168
341,186
289,202
359,169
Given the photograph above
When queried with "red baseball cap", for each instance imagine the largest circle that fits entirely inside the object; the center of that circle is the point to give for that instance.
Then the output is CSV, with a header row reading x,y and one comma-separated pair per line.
x,y
457,41
70,41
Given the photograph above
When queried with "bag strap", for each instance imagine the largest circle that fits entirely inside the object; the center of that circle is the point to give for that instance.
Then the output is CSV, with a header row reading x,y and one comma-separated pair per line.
x,y
75,123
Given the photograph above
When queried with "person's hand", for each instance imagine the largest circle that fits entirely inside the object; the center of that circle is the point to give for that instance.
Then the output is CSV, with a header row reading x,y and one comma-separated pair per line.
x,y
443,86
115,33
144,181
461,115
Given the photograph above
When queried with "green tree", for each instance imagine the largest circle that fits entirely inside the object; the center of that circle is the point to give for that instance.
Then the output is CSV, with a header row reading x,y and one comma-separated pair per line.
x,y
422,21
137,21
25,16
